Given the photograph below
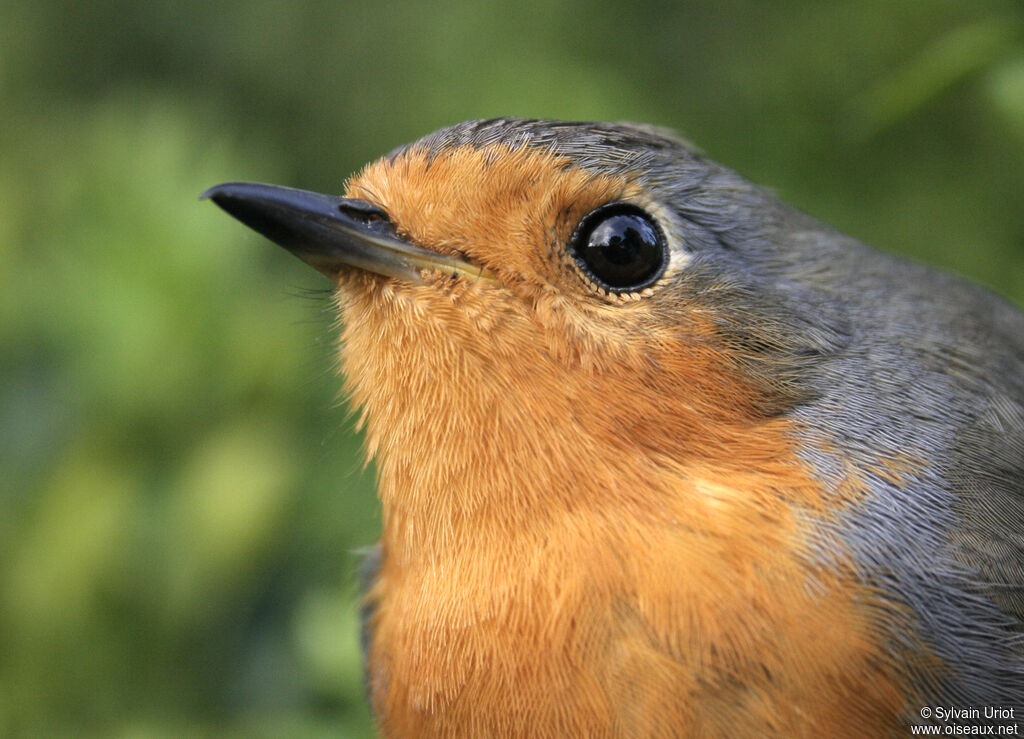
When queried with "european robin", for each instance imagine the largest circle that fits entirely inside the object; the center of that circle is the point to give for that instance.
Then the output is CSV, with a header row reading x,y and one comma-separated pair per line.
x,y
659,455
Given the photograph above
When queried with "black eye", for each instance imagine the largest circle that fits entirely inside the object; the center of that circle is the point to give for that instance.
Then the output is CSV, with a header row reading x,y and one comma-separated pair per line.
x,y
620,247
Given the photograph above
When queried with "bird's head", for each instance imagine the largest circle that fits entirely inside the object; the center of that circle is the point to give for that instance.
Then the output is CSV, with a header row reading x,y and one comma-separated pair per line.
x,y
527,300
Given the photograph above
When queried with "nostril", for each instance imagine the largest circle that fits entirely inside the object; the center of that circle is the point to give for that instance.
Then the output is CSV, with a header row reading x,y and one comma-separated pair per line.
x,y
368,216
362,211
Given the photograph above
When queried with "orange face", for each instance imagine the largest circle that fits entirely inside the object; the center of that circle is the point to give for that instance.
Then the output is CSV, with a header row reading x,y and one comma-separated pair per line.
x,y
538,344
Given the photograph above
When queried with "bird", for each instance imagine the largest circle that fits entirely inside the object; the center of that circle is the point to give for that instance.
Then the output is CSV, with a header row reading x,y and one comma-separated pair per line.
x,y
659,455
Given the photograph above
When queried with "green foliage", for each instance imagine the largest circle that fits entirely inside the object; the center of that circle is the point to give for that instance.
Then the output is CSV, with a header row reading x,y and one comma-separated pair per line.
x,y
956,56
182,491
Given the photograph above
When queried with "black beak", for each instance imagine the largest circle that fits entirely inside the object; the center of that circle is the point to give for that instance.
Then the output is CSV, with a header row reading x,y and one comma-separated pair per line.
x,y
332,233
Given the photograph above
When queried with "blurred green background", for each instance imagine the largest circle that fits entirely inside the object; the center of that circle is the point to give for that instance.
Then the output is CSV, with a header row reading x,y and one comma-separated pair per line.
x,y
181,495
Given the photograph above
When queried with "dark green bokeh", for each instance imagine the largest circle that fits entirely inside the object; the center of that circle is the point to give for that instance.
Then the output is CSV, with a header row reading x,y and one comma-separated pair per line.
x,y
182,494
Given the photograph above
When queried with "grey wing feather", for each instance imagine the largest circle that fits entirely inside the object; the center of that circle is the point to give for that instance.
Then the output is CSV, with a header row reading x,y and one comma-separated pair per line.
x,y
988,466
